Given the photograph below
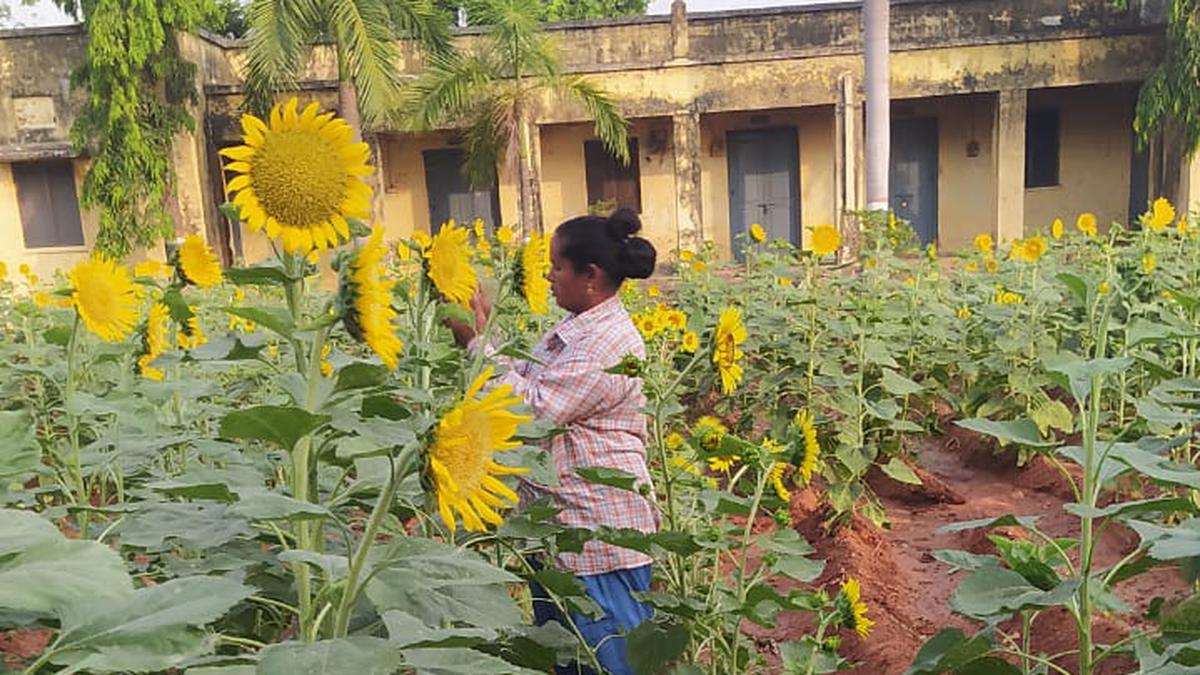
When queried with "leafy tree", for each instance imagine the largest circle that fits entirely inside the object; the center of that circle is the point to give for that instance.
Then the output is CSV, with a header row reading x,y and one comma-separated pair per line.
x,y
1169,99
563,10
231,20
139,87
363,34
492,91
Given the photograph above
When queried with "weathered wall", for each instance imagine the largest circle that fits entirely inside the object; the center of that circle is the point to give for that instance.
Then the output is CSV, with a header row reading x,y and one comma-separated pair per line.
x,y
1096,144
44,261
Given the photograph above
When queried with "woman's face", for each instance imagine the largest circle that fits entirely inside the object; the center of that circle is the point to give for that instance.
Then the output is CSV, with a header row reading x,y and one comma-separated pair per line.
x,y
569,285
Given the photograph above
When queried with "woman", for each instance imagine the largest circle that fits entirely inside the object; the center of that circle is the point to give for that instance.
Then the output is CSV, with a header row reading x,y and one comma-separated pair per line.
x,y
590,257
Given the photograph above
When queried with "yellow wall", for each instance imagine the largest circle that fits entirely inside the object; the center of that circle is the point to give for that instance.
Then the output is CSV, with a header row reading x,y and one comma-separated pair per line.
x,y
564,177
42,261
1095,147
815,129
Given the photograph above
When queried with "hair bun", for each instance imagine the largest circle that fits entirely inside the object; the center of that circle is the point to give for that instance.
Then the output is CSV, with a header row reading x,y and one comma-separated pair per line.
x,y
623,224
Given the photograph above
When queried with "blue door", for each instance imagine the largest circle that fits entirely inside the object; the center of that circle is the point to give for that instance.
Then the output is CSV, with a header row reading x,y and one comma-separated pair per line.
x,y
764,185
913,178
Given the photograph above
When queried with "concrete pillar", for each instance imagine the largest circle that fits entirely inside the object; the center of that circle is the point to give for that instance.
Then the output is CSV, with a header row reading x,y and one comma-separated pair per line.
x,y
1009,154
876,29
847,151
686,150
679,30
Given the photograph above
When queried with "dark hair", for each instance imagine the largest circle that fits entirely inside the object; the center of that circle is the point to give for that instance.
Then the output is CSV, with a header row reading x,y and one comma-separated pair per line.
x,y
608,243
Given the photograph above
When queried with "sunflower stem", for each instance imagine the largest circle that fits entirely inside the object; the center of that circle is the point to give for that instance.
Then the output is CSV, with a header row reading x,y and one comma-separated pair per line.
x,y
81,496
382,507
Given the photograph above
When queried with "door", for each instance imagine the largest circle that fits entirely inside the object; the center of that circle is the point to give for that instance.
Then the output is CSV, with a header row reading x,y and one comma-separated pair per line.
x,y
451,195
914,174
764,184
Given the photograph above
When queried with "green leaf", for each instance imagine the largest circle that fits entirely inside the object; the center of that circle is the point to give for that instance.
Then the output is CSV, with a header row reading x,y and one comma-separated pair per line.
x,y
266,274
1007,520
273,318
459,661
963,561
898,470
1154,466
20,454
877,352
1162,505
995,591
569,588
1170,543
1021,432
602,475
345,656
58,335
651,646
281,425
898,385
406,630
157,526
1078,286
441,585
1052,414
157,628
1079,374
360,376
260,504
950,651
43,572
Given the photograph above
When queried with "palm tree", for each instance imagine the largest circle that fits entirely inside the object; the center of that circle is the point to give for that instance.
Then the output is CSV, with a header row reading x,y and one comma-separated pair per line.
x,y
363,34
493,91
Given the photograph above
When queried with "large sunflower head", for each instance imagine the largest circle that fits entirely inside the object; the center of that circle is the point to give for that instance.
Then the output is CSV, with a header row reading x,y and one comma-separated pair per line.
x,y
154,341
197,264
461,461
449,264
757,233
300,177
105,297
826,239
1086,223
727,355
535,265
366,299
1032,249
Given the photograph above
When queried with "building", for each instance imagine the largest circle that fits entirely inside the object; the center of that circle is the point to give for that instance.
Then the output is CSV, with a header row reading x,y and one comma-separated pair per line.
x,y
1006,115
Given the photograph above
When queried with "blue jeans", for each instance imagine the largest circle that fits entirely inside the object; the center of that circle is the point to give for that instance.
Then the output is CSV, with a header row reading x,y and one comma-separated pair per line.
x,y
613,592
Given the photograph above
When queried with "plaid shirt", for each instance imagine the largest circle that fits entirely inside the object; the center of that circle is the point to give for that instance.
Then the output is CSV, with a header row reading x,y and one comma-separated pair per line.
x,y
605,423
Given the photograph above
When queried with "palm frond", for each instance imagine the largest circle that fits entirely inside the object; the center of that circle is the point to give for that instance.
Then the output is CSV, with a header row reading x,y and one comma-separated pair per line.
x,y
363,32
491,132
423,21
446,92
611,127
277,44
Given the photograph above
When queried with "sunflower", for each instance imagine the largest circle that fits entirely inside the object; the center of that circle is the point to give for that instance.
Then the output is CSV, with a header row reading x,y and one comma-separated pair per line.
x,y
153,269
854,610
1033,248
154,341
779,472
461,460
757,233
105,297
971,267
1086,223
1160,216
984,243
674,440
726,354
24,270
826,239
1149,263
191,334
365,300
676,320
708,432
689,343
505,235
197,264
535,265
326,364
812,447
723,463
783,281
300,177
449,268
1182,228
3,271
963,313
1057,228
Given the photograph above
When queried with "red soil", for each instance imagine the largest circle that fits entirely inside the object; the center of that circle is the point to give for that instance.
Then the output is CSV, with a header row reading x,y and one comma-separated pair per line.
x,y
907,590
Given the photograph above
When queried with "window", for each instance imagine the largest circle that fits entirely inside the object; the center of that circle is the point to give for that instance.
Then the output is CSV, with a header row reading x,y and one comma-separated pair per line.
x,y
611,184
451,195
48,205
1041,148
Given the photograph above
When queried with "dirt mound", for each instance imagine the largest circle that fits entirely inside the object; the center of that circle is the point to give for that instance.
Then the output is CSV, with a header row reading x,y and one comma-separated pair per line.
x,y
932,490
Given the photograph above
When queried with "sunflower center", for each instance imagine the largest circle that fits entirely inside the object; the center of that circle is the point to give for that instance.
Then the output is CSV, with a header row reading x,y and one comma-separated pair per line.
x,y
467,462
99,299
726,350
299,177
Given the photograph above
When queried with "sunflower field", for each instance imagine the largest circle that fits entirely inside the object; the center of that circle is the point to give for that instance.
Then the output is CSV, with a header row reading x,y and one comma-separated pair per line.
x,y
290,468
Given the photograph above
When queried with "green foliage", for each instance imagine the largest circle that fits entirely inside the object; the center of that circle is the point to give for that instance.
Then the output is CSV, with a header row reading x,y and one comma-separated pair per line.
x,y
139,87
560,10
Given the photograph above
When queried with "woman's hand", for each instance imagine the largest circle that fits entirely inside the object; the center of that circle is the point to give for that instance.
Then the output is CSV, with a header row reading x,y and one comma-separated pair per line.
x,y
481,307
